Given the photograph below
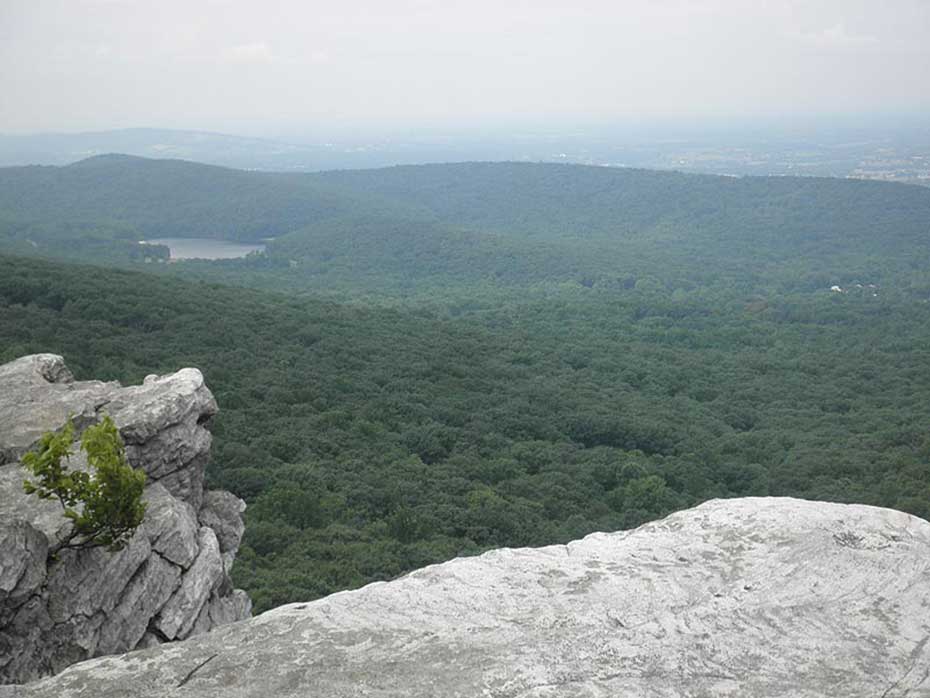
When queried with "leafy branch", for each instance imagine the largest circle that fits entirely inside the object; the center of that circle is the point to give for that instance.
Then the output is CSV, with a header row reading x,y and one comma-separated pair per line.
x,y
105,505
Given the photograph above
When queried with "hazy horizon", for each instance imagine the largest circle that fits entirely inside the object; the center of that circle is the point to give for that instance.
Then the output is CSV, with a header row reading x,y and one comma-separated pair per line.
x,y
289,70
681,126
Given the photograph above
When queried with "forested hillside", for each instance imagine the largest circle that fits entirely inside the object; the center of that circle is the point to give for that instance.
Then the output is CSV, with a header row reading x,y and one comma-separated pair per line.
x,y
160,198
479,355
419,231
783,232
369,441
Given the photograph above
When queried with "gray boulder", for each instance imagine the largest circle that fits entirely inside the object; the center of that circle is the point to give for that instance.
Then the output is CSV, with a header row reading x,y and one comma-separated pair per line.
x,y
178,615
759,597
222,511
38,391
23,572
171,526
169,580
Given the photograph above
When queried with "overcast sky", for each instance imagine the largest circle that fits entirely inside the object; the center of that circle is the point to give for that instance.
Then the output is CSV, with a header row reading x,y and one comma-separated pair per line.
x,y
237,64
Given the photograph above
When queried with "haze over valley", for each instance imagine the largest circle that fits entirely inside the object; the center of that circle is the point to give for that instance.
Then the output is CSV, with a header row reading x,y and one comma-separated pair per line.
x,y
896,148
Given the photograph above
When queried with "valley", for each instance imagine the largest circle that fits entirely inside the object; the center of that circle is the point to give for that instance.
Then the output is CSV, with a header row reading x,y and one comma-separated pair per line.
x,y
432,362
411,379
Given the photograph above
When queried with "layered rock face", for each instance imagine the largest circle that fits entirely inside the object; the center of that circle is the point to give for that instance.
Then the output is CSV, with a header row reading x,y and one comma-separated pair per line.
x,y
170,582
745,597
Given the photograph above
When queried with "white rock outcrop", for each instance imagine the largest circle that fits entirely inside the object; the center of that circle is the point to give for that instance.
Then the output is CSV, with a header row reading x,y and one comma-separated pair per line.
x,y
169,583
758,597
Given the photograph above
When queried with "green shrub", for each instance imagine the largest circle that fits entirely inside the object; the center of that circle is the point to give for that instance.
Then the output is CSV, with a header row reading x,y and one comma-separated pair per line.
x,y
105,505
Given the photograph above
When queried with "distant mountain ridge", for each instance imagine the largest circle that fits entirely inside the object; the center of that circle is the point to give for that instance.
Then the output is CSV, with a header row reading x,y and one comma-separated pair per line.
x,y
468,222
166,197
205,146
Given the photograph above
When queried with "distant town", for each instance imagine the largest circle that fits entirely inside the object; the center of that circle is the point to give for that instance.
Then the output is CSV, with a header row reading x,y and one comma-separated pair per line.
x,y
818,150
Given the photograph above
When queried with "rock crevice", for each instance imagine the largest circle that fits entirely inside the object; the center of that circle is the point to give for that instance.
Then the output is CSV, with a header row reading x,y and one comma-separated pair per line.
x,y
170,582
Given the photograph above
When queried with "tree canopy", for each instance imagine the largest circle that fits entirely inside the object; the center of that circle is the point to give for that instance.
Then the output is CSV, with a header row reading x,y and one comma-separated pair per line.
x,y
370,440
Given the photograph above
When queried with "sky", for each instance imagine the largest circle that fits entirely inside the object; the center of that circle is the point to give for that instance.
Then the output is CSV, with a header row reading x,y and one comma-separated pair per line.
x,y
249,66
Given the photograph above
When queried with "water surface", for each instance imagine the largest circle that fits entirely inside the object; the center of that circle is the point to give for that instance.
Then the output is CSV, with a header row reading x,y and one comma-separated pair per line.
x,y
205,248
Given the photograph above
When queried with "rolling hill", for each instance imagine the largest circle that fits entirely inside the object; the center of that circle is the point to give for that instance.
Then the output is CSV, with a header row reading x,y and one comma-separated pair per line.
x,y
409,228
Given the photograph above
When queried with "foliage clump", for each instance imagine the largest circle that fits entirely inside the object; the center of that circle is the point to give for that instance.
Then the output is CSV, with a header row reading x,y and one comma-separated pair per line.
x,y
105,505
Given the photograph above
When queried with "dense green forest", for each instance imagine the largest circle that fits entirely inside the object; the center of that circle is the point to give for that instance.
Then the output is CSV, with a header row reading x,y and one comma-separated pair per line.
x,y
431,361
160,198
369,440
416,232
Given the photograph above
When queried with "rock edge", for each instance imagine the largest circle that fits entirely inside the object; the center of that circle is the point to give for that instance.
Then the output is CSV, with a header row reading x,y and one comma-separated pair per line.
x,y
170,582
758,597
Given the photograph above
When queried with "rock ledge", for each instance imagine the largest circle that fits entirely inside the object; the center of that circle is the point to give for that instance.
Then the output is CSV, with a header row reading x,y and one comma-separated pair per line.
x,y
170,582
757,597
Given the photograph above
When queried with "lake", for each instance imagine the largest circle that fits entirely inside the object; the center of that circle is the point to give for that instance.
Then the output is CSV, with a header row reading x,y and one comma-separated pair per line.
x,y
205,248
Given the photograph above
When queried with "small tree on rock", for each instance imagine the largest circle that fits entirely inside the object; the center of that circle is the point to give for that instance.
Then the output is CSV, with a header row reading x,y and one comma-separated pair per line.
x,y
105,505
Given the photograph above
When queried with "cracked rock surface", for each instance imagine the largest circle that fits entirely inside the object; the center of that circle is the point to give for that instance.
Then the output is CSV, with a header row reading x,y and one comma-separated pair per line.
x,y
757,597
169,583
